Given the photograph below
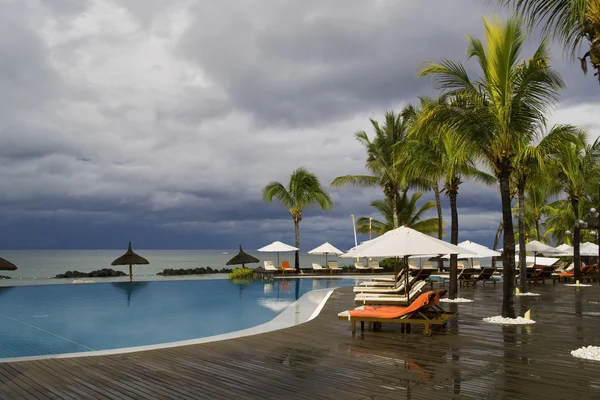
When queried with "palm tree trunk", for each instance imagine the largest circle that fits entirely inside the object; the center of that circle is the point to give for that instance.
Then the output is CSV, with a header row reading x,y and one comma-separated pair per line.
x,y
576,240
454,240
537,228
395,207
508,254
297,255
522,252
497,240
438,204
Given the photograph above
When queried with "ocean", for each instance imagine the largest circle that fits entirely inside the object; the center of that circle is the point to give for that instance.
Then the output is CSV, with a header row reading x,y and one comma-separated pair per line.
x,y
36,266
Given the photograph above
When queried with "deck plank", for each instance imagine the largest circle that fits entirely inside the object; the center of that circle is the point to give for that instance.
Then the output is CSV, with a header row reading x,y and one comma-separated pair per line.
x,y
320,359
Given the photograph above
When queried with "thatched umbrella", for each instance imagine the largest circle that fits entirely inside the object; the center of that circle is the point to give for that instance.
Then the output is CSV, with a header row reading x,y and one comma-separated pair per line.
x,y
7,265
242,258
130,258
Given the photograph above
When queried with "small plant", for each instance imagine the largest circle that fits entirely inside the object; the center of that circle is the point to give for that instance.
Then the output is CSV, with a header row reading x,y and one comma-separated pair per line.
x,y
241,273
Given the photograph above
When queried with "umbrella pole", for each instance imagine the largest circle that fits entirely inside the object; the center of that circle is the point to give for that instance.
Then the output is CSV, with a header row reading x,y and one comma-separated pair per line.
x,y
277,259
325,259
130,274
406,277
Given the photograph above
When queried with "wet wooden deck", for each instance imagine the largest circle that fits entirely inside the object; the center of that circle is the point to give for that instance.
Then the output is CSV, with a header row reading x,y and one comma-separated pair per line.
x,y
321,359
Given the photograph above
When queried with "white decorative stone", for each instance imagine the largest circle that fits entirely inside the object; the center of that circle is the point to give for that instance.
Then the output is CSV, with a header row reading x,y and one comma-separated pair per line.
x,y
508,321
589,353
457,300
580,285
530,294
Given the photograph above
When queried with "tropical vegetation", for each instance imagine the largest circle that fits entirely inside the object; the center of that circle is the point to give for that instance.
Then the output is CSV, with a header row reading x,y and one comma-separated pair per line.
x,y
489,125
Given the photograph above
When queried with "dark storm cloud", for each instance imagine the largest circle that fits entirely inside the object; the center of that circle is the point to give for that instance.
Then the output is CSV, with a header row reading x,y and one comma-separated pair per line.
x,y
168,117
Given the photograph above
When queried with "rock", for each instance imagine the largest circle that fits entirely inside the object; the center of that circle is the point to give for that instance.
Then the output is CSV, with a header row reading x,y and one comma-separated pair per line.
x,y
193,271
101,273
4,277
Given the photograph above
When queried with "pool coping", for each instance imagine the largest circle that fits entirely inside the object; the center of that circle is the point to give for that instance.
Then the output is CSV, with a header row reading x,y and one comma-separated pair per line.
x,y
288,318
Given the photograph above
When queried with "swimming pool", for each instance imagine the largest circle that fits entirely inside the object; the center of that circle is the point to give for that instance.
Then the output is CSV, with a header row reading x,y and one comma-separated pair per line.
x,y
57,319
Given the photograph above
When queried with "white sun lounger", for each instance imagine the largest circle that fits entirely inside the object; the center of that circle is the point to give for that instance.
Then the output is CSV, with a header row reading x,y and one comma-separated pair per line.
x,y
318,267
384,282
333,265
359,265
399,288
269,266
375,298
374,264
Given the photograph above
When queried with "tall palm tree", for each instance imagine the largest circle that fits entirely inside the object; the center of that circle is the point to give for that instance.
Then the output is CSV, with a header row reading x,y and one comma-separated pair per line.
x,y
303,190
570,21
450,155
409,214
529,161
382,159
577,165
497,109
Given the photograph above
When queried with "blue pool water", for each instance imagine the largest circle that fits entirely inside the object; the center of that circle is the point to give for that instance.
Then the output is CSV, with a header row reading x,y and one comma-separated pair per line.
x,y
54,319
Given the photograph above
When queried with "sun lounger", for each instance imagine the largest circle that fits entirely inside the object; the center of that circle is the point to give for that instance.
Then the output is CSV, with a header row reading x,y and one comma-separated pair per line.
x,y
467,276
285,266
397,289
394,299
424,310
269,266
374,264
318,268
384,282
486,276
360,266
333,266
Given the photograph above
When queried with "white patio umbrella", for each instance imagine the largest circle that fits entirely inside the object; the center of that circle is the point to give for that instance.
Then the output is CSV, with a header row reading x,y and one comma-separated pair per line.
x,y
404,242
326,249
564,250
480,251
537,247
587,249
277,247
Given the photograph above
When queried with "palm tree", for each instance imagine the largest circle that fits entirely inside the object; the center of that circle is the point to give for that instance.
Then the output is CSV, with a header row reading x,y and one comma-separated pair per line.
x,y
303,190
409,214
570,21
529,161
577,165
497,109
381,160
449,155
560,219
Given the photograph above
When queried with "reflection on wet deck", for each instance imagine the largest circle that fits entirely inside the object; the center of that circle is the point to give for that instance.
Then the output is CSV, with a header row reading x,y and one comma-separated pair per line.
x,y
321,359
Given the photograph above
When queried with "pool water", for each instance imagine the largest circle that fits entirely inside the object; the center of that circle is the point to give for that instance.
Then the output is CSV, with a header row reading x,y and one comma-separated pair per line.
x,y
55,319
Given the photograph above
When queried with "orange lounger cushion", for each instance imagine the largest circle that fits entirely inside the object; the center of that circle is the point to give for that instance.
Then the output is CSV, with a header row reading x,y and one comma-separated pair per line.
x,y
391,311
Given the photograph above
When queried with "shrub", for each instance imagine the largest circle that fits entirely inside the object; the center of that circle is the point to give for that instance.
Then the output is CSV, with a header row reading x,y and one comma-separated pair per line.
x,y
241,273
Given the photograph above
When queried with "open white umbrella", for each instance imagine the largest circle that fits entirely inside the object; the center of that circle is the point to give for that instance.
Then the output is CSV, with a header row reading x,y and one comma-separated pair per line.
x,y
326,249
538,247
587,249
480,251
404,242
277,247
564,250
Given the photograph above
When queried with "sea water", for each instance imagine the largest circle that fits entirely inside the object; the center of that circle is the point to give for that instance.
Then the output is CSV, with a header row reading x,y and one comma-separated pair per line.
x,y
36,266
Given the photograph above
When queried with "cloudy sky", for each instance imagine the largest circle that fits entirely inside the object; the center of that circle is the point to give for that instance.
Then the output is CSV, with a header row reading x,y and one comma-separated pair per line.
x,y
159,121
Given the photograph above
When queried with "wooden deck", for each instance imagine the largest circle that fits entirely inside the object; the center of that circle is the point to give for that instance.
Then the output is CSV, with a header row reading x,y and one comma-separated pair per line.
x,y
321,359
